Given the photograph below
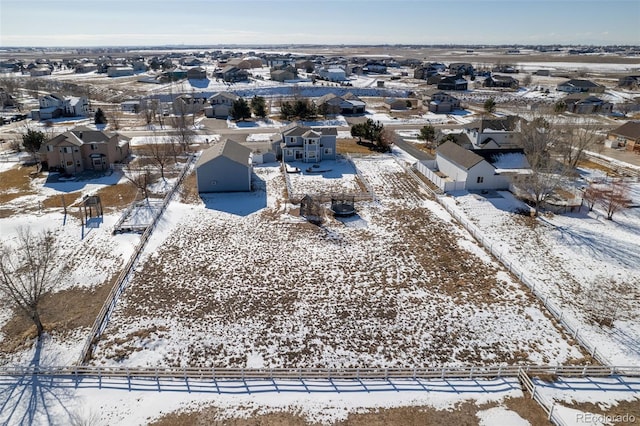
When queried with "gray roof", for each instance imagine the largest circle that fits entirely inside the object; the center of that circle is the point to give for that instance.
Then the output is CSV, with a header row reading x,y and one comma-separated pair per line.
x,y
227,148
228,95
580,83
458,155
301,130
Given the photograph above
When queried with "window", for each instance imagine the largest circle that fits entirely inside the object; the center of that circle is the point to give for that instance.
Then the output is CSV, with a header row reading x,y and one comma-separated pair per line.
x,y
49,148
480,179
94,147
328,151
69,163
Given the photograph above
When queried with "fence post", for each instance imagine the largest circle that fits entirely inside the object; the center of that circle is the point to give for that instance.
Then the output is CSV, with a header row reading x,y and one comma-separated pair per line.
x,y
551,411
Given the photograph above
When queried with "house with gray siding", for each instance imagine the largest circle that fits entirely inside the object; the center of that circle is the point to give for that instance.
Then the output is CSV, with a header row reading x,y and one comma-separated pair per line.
x,y
301,143
224,167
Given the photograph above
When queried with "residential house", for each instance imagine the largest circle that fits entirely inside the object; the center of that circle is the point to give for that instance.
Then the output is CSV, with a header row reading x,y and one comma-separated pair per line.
x,y
301,143
139,65
498,133
585,104
196,73
398,104
221,104
627,135
503,81
75,106
40,71
577,86
6,100
479,170
132,106
349,104
85,67
452,82
54,106
443,103
429,69
224,167
83,149
464,68
119,71
282,75
375,68
187,104
176,74
232,74
629,81
332,73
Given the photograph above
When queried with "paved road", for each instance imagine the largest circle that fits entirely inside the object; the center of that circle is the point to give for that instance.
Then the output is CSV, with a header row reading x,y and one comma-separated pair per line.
x,y
412,150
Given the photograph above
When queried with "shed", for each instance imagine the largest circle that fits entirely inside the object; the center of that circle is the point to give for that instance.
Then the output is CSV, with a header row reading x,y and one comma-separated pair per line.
x,y
224,167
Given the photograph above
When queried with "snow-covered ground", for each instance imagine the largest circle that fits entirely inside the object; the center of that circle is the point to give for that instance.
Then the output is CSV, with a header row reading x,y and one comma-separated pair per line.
x,y
604,394
34,400
587,265
240,282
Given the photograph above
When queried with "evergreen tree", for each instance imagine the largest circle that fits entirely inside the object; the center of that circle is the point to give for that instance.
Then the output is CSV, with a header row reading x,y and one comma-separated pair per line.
x,y
490,105
32,141
427,133
100,117
240,110
258,106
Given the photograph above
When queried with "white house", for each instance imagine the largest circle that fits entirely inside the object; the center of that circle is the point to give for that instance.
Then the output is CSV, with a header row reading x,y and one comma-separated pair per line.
x,y
332,73
469,170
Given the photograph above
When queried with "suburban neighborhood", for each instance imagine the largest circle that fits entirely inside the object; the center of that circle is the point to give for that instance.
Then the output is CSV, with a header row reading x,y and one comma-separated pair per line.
x,y
320,234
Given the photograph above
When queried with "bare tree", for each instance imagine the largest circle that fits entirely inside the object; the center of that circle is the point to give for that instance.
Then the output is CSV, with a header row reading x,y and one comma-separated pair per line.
x,y
160,154
591,195
574,140
115,118
546,175
140,177
148,111
28,273
184,131
615,197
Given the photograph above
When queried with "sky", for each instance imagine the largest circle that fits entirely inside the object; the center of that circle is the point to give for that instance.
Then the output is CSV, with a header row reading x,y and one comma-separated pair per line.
x,y
260,22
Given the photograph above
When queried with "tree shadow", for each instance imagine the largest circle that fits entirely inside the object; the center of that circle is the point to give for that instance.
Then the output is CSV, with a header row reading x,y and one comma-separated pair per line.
x,y
31,399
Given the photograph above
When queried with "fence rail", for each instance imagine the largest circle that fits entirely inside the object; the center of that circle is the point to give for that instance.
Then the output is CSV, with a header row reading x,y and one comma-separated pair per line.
x,y
462,372
118,287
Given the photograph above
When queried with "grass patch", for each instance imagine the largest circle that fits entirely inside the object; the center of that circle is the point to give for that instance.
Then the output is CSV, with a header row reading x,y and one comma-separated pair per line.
x,y
189,190
15,182
595,166
351,146
62,312
117,197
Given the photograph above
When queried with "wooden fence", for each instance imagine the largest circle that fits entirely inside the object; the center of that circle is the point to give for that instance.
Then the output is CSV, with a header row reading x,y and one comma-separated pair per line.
x,y
118,287
434,373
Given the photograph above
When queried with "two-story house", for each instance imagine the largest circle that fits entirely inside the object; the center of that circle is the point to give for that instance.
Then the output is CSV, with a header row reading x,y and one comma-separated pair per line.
x,y
301,143
220,104
83,149
443,103
54,106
